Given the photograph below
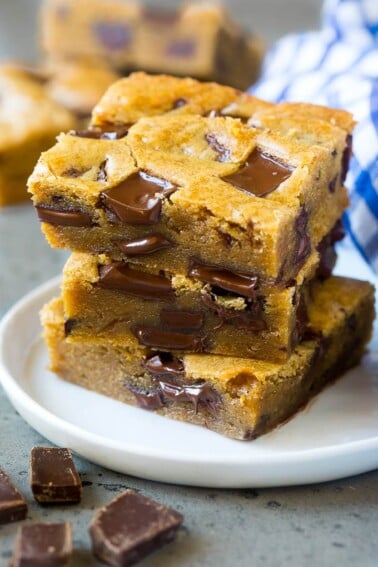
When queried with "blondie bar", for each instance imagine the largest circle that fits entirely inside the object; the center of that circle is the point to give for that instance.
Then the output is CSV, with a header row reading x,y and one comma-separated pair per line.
x,y
205,310
243,196
29,124
240,398
198,40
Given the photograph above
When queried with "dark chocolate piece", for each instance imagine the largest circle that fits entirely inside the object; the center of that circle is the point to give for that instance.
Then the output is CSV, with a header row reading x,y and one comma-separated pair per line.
x,y
131,527
146,399
332,184
164,365
180,320
198,393
179,103
69,325
106,131
251,318
260,175
235,282
144,245
63,218
158,338
113,35
43,545
224,153
120,277
13,507
53,476
138,199
303,242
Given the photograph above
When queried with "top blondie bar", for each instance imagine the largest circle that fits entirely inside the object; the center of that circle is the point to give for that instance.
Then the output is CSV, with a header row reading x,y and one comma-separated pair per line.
x,y
173,171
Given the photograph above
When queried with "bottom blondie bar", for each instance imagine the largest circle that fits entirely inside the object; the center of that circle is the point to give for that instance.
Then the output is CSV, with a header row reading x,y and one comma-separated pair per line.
x,y
237,397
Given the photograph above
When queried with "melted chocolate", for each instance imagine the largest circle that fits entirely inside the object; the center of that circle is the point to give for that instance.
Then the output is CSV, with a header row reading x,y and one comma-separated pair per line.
x,y
164,365
146,399
102,175
73,172
260,175
196,393
251,318
120,277
107,131
181,320
235,282
144,245
63,218
138,199
224,153
303,242
158,338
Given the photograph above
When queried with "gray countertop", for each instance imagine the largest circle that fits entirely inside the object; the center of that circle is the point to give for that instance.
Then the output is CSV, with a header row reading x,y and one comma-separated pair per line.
x,y
319,525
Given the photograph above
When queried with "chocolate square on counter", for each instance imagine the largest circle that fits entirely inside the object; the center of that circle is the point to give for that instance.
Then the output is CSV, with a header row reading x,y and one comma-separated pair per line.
x,y
131,527
13,507
53,476
43,545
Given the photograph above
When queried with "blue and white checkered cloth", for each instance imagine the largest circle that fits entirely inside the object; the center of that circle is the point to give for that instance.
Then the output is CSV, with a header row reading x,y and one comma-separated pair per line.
x,y
338,67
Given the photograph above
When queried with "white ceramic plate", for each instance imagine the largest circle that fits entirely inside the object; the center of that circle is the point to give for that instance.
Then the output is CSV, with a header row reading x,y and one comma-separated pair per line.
x,y
334,437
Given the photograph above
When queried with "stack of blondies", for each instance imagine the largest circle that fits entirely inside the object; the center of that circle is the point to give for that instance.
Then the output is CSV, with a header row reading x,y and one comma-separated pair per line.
x,y
202,223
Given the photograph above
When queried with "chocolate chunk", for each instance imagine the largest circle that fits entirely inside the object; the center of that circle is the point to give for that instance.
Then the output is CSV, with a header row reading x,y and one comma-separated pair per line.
x,y
164,365
181,48
251,318
144,245
301,322
303,242
43,545
198,393
352,322
131,527
235,282
260,175
63,218
69,325
106,131
332,184
138,199
181,320
146,399
347,154
179,103
13,507
54,477
158,338
112,35
133,282
224,153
